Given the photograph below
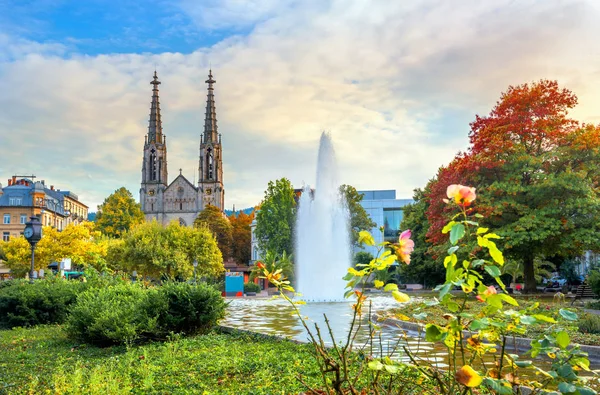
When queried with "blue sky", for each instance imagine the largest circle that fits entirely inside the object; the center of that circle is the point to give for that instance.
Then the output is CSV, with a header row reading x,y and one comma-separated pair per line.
x,y
94,27
395,83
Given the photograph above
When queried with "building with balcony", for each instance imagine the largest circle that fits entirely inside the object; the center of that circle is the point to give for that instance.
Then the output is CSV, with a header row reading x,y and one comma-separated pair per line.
x,y
23,197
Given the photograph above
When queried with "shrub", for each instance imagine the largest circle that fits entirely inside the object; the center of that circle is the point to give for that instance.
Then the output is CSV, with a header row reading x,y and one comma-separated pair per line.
x,y
590,324
115,314
127,313
251,287
594,281
43,302
189,308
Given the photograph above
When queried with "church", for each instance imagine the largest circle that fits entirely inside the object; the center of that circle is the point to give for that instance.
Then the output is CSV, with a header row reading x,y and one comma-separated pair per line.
x,y
181,200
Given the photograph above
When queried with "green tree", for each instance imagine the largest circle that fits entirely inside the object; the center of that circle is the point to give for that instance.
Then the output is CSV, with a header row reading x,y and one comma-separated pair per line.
x,y
154,250
423,268
276,219
362,258
119,213
241,237
219,225
359,219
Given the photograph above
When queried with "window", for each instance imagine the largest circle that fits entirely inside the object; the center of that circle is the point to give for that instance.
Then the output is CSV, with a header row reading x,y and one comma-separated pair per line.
x,y
6,218
15,201
391,222
23,219
5,236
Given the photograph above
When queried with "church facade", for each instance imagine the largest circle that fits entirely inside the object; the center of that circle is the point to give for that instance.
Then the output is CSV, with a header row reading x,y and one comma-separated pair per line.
x,y
181,200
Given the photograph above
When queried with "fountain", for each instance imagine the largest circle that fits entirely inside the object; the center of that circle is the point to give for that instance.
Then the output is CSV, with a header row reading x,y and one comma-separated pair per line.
x,y
322,233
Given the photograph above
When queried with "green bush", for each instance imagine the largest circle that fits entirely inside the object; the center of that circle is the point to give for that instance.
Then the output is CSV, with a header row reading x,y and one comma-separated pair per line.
x,y
127,313
115,314
590,324
43,302
189,308
251,287
593,280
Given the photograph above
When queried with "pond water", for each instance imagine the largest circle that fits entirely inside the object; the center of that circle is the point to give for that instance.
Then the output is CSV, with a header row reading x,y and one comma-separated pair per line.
x,y
277,317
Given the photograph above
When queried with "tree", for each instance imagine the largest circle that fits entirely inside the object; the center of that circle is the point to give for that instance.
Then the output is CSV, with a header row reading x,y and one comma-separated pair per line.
x,y
83,244
276,218
213,218
119,213
153,250
359,219
536,172
241,237
423,268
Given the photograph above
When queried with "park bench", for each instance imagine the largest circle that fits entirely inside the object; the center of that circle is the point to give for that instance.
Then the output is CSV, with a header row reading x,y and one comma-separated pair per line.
x,y
584,291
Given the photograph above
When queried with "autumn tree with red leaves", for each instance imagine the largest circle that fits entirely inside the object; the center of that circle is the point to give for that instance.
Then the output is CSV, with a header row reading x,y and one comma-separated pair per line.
x,y
536,171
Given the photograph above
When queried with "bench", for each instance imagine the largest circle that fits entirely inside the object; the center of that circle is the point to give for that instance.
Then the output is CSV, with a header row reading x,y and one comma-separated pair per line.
x,y
584,291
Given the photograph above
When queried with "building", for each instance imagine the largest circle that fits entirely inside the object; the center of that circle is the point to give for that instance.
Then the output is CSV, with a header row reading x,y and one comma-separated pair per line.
x,y
386,211
181,200
23,198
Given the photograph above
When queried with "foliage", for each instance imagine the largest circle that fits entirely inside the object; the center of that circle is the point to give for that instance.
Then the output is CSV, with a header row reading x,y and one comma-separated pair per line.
x,y
359,219
82,243
251,287
129,312
214,219
190,309
593,280
43,302
568,272
590,324
423,268
274,262
154,250
276,218
228,364
113,315
538,169
119,213
362,257
241,237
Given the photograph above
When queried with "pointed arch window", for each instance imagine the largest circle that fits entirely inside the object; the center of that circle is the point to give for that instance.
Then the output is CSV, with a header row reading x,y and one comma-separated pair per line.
x,y
209,163
153,165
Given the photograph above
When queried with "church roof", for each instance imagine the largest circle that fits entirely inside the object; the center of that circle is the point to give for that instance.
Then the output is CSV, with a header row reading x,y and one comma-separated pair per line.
x,y
181,176
155,122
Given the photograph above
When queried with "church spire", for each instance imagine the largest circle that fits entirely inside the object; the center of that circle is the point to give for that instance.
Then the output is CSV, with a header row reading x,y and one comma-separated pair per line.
x,y
210,120
155,124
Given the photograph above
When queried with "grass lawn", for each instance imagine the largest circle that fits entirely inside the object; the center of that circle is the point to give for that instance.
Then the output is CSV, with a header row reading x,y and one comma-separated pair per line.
x,y
547,307
43,360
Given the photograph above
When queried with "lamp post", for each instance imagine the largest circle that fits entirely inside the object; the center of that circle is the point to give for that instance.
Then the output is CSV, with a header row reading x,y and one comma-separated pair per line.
x,y
195,266
33,234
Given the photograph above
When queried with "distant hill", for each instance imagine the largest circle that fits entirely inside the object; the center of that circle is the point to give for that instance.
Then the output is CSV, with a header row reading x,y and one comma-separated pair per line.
x,y
246,210
92,217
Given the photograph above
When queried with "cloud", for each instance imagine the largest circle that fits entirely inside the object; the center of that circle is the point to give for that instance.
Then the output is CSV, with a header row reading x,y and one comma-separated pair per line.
x,y
396,84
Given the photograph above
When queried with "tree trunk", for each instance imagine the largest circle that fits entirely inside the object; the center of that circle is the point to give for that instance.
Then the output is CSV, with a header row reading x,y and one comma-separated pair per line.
x,y
529,275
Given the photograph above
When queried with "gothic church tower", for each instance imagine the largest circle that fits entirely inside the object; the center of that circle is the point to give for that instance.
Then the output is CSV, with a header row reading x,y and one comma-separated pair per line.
x,y
210,184
154,166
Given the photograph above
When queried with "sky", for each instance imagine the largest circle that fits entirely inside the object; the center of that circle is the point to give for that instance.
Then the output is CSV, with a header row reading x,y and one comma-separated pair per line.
x,y
395,83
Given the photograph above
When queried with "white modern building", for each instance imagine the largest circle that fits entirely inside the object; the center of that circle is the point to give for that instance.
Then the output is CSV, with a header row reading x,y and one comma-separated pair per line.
x,y
386,211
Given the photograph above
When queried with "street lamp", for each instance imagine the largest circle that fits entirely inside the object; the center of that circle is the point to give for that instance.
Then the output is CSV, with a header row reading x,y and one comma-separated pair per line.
x,y
195,266
33,234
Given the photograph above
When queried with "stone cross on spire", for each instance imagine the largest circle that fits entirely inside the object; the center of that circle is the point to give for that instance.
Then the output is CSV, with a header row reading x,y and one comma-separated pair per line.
x,y
210,120
155,123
